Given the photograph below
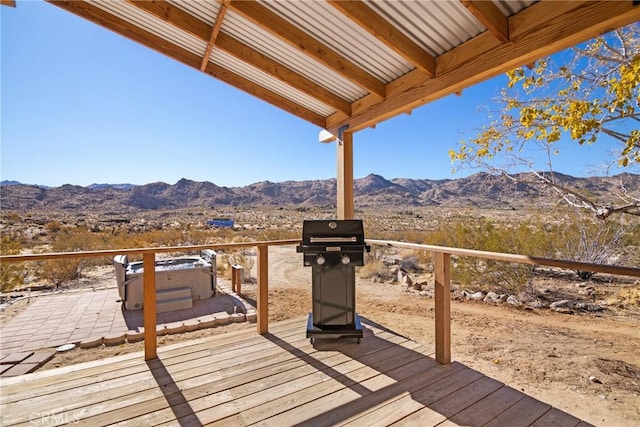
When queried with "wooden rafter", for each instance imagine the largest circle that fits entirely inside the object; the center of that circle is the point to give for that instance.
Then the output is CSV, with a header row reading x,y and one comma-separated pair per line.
x,y
159,44
542,29
214,35
384,31
490,16
11,3
291,34
281,72
203,31
263,93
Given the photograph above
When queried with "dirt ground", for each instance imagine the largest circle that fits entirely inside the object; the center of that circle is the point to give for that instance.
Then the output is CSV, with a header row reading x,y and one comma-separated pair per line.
x,y
585,364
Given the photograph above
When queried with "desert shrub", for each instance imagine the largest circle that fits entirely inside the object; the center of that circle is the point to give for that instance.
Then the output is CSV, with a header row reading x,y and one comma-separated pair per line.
x,y
272,234
593,242
243,257
60,271
11,274
374,269
376,263
526,238
53,227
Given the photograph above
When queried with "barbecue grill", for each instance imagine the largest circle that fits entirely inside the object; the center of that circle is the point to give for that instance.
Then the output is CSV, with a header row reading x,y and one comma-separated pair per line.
x,y
333,248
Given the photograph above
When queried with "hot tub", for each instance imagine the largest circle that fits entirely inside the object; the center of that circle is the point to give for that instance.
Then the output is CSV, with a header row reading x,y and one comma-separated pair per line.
x,y
179,281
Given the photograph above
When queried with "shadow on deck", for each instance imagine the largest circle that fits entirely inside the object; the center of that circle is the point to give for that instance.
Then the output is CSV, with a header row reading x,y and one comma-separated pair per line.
x,y
277,379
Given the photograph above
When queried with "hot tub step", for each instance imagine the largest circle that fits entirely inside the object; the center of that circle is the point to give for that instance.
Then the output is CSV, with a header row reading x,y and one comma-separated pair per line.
x,y
173,299
173,304
173,293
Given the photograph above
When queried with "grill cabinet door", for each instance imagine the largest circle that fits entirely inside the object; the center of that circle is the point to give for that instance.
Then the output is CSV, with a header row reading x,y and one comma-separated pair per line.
x,y
333,292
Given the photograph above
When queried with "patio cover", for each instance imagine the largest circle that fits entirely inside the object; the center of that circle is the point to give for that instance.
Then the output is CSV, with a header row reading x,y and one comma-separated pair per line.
x,y
348,65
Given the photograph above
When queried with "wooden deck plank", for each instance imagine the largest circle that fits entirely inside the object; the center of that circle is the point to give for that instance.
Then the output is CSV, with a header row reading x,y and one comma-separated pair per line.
x,y
486,409
270,388
104,386
417,398
145,404
374,374
556,418
279,378
236,339
523,413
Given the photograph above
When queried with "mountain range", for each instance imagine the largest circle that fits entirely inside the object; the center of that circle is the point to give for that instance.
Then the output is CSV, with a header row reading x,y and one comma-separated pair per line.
x,y
479,190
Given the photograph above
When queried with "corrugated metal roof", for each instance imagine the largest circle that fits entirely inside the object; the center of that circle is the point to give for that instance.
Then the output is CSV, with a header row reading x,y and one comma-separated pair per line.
x,y
277,49
435,26
265,80
145,21
206,11
343,74
324,22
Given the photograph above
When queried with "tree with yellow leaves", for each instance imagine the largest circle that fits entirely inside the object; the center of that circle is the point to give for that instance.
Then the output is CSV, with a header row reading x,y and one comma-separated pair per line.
x,y
591,98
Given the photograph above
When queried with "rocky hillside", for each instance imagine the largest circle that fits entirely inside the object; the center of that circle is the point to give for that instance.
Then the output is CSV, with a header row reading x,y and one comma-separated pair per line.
x,y
479,190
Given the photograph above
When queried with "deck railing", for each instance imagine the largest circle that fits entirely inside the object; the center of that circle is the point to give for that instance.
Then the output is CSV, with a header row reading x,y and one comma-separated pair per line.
x,y
442,279
442,273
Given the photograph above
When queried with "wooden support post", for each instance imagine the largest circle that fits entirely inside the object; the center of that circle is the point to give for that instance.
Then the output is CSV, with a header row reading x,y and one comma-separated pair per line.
x,y
237,273
443,307
263,289
149,305
345,175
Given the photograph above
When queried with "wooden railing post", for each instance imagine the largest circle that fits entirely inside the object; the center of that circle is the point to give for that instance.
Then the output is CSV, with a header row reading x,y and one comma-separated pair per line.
x,y
443,307
237,273
263,289
149,305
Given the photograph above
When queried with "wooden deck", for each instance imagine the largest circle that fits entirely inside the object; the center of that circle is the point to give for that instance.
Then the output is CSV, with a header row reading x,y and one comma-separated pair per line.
x,y
278,379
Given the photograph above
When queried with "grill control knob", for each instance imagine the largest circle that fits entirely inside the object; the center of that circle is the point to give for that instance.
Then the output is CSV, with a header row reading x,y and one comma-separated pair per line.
x,y
346,259
320,260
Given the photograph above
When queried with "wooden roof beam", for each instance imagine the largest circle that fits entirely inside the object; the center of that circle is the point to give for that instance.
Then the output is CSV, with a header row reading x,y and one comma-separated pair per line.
x,y
175,16
388,34
291,34
490,16
11,3
540,30
120,26
264,94
281,72
214,35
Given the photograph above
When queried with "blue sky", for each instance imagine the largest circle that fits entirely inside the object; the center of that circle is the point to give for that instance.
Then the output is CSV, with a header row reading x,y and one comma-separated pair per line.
x,y
82,105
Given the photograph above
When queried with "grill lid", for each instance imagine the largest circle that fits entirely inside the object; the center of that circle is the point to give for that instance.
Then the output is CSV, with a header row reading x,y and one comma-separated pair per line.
x,y
345,235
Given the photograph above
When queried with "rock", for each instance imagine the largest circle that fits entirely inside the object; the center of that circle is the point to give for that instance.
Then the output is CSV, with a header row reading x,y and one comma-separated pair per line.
x,y
595,307
564,310
417,287
504,297
404,279
512,300
424,286
536,304
424,293
594,379
565,303
580,306
491,297
478,296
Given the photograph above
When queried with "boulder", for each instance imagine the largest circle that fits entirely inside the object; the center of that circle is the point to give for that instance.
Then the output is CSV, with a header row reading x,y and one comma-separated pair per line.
x,y
512,300
565,303
491,297
478,296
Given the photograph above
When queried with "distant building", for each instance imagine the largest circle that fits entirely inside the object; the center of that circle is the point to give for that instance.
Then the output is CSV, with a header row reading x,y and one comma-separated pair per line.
x,y
220,222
